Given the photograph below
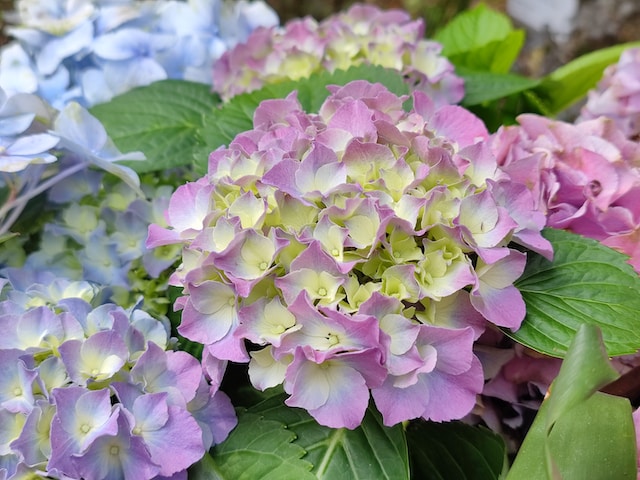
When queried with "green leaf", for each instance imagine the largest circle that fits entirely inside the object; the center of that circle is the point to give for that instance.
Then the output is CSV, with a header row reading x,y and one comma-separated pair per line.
x,y
578,433
571,82
371,451
236,116
586,282
481,39
594,440
441,451
482,87
585,369
161,120
258,447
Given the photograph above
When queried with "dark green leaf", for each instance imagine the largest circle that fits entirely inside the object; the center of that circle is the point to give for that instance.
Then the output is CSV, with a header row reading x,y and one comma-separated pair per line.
x,y
259,447
371,451
440,451
571,82
161,120
578,434
481,39
236,116
586,283
486,86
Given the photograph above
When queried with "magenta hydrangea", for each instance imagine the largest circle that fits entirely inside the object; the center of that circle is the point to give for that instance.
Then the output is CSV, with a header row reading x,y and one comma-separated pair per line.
x,y
361,34
584,177
97,392
617,95
359,251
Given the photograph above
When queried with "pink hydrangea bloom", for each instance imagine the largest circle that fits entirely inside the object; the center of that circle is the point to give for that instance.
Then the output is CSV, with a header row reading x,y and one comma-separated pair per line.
x,y
339,242
617,95
584,177
362,34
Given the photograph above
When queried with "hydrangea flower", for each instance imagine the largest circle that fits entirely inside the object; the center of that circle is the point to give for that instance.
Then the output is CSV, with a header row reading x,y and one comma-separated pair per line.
x,y
89,51
96,233
95,392
617,95
584,177
362,34
349,247
33,135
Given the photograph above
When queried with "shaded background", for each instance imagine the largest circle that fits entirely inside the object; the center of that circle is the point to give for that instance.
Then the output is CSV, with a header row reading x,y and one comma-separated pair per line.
x,y
596,23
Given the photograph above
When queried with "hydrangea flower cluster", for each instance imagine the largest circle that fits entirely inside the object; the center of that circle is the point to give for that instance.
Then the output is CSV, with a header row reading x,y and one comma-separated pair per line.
x,y
584,177
352,253
94,392
34,135
97,233
362,34
618,95
89,50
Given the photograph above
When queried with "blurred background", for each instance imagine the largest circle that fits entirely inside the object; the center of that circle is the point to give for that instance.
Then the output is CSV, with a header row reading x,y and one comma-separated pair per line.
x,y
557,30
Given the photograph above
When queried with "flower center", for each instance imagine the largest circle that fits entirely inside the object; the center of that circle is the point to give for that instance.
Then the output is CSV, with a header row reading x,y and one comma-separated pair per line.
x,y
596,187
333,339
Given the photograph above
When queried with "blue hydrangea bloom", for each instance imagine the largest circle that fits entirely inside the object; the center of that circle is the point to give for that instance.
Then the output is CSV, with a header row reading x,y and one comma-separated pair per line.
x,y
89,50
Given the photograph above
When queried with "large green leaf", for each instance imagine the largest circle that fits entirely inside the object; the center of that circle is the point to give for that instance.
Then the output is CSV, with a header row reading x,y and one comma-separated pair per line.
x,y
259,447
585,283
160,119
440,451
571,82
371,451
577,433
481,39
236,115
480,87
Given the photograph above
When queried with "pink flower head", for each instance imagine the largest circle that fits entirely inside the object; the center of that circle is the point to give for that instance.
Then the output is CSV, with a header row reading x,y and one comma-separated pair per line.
x,y
333,387
362,34
444,387
617,95
360,248
187,208
585,177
